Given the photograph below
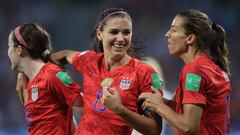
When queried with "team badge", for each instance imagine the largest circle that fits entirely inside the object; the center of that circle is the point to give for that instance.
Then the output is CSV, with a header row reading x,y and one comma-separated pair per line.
x,y
193,82
125,84
157,83
34,93
64,78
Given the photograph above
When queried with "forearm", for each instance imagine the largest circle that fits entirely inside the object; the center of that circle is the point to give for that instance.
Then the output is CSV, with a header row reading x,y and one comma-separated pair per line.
x,y
177,120
78,106
143,124
170,102
74,125
63,57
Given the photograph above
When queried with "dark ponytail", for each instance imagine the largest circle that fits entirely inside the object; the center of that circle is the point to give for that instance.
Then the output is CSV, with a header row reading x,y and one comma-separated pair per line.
x,y
219,50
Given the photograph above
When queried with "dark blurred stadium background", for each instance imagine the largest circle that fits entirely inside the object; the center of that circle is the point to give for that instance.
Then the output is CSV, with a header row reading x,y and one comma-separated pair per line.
x,y
70,23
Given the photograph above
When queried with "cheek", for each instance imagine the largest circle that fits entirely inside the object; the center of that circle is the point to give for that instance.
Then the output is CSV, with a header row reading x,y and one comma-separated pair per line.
x,y
9,52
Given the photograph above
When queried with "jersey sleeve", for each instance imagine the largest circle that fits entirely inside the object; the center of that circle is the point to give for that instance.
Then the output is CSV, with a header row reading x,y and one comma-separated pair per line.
x,y
81,58
150,78
65,88
193,83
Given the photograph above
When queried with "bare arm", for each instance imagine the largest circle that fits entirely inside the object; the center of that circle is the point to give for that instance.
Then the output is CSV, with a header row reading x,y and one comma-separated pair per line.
x,y
149,125
188,122
78,108
170,102
63,57
21,83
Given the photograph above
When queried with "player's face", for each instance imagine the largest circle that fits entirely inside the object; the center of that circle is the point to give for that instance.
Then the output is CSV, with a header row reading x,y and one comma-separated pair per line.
x,y
176,37
116,37
12,53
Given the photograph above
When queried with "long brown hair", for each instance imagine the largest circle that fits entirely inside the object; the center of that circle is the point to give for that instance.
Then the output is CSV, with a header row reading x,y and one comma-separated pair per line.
x,y
211,37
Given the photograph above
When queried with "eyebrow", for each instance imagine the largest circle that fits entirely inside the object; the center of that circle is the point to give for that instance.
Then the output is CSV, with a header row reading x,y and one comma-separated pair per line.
x,y
118,29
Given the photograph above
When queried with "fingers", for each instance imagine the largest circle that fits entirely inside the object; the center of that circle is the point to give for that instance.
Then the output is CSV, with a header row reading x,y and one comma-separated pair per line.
x,y
156,91
113,90
146,104
144,96
106,94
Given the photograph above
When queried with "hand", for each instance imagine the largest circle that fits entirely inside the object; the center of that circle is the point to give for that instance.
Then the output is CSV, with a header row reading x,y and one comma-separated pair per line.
x,y
53,59
112,100
152,101
21,83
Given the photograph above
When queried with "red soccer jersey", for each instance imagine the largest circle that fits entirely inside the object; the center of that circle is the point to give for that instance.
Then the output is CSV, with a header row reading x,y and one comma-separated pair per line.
x,y
130,80
47,101
203,82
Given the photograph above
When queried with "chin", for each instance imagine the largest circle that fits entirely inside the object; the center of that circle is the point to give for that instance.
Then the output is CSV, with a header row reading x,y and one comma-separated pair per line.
x,y
14,67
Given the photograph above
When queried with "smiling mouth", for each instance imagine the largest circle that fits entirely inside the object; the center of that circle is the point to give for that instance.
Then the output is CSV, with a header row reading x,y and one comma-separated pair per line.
x,y
119,46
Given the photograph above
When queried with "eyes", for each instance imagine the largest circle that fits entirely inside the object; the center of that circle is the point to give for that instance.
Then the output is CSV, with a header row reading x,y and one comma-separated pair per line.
x,y
116,31
172,29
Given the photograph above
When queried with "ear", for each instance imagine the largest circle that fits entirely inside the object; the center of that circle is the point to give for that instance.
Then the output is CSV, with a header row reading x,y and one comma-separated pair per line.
x,y
99,34
20,51
190,39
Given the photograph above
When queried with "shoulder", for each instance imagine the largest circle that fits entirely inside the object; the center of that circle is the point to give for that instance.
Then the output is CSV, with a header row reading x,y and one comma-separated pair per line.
x,y
87,55
202,65
139,65
142,69
51,71
55,74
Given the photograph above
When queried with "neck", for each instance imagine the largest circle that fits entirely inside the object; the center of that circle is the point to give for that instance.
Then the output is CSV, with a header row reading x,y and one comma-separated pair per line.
x,y
112,63
190,55
31,67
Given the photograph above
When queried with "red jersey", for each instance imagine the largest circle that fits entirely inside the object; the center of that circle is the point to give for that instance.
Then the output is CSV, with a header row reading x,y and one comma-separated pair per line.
x,y
47,101
203,82
130,80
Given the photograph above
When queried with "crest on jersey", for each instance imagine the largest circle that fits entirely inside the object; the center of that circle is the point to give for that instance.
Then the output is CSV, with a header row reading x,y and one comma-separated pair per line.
x,y
125,84
34,93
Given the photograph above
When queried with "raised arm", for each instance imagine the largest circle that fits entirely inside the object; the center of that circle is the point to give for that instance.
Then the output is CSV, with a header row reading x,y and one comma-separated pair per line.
x,y
62,57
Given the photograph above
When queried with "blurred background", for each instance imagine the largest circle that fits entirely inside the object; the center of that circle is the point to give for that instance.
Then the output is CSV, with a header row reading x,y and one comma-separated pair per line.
x,y
71,22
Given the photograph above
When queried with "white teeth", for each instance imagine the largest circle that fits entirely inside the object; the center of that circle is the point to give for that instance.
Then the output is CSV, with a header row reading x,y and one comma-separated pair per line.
x,y
118,46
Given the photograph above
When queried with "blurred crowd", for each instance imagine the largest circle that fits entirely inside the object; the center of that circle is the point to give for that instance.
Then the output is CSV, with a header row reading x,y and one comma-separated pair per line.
x,y
71,22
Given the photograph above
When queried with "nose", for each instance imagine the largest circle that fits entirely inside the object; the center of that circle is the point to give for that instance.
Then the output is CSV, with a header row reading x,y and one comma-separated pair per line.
x,y
167,34
120,37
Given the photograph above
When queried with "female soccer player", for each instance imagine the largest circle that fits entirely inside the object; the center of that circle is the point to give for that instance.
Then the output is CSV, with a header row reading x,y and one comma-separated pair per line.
x,y
113,80
50,92
203,94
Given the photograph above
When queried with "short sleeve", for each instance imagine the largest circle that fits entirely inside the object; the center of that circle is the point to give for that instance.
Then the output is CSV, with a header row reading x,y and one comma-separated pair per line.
x,y
193,83
150,78
66,89
81,58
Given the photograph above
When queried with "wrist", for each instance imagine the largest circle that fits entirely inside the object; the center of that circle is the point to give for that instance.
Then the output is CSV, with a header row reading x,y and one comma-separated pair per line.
x,y
119,110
